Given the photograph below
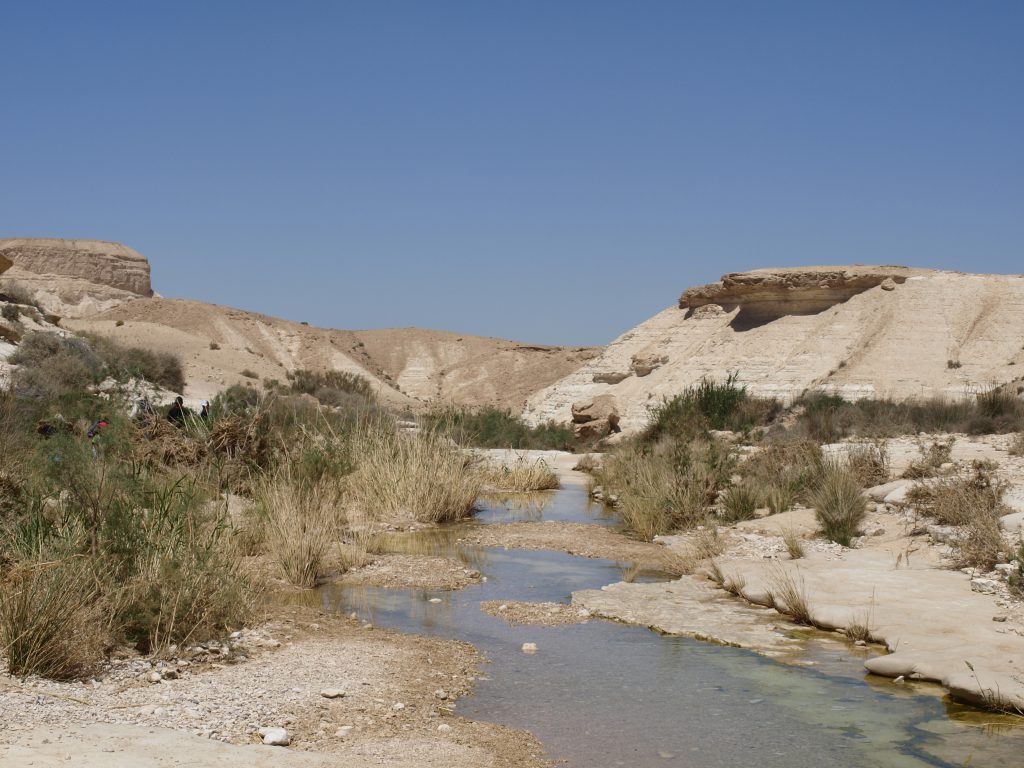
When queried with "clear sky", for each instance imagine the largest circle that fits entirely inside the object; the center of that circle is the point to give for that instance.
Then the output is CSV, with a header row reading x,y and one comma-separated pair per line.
x,y
545,170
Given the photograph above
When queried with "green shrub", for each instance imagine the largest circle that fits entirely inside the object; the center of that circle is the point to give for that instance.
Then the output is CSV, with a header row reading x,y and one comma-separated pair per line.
x,y
51,365
709,405
124,363
310,382
839,504
668,486
491,427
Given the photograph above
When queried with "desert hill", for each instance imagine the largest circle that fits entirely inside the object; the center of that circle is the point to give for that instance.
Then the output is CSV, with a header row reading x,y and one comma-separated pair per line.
x,y
406,366
105,288
857,331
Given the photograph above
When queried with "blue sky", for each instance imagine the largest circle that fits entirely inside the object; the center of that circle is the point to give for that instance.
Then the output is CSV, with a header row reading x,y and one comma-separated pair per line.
x,y
546,171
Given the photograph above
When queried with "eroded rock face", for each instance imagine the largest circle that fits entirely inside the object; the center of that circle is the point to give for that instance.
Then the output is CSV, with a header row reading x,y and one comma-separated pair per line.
x,y
646,362
876,343
595,417
763,295
76,277
5,263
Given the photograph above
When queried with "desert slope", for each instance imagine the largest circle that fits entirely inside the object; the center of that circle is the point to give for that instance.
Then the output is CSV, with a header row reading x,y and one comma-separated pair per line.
x,y
408,367
857,331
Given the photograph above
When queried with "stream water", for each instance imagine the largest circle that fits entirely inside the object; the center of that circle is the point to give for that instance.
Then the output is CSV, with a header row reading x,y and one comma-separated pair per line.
x,y
607,694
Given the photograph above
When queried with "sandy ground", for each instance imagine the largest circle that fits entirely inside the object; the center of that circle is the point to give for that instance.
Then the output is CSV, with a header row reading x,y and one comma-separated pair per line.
x,y
537,614
399,692
413,571
581,539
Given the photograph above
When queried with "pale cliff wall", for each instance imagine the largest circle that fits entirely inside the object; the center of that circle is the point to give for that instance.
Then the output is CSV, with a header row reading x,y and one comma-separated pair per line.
x,y
857,331
76,277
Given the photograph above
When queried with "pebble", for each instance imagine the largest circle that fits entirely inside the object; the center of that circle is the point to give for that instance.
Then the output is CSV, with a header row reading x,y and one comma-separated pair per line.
x,y
398,706
529,647
440,694
444,728
332,693
344,731
435,600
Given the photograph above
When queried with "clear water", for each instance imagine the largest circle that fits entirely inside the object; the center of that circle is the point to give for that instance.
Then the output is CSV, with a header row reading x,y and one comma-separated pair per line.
x,y
606,694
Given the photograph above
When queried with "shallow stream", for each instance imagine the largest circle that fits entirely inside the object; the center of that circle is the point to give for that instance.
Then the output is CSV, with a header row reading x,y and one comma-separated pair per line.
x,y
606,694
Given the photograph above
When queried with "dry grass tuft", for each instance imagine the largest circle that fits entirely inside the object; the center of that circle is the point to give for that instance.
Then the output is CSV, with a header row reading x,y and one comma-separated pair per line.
x,y
794,546
839,504
788,595
49,621
302,523
1017,446
418,476
519,476
739,503
933,456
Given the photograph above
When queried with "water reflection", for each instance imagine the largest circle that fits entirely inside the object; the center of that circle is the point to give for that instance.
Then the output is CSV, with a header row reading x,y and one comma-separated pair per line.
x,y
605,694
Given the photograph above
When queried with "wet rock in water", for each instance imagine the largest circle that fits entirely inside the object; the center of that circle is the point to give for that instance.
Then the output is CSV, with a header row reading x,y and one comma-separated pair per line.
x,y
529,647
332,693
435,600
275,737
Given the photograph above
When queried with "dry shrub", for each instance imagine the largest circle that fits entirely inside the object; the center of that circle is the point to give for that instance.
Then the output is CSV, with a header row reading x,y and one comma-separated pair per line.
x,y
739,503
788,594
869,463
779,497
520,475
1017,446
302,523
839,504
975,503
933,456
405,476
50,622
587,463
791,467
705,544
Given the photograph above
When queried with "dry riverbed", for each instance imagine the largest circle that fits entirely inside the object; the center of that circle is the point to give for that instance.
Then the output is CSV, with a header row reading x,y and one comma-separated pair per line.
x,y
390,701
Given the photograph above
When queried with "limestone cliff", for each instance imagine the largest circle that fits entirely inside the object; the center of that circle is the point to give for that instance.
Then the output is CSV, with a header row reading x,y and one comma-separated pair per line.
x,y
73,278
857,331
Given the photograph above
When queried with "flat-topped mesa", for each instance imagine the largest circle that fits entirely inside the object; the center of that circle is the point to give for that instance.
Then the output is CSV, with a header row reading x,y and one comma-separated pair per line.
x,y
76,277
764,295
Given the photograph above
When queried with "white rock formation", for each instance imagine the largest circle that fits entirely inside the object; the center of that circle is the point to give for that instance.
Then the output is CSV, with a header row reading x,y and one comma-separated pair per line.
x,y
855,331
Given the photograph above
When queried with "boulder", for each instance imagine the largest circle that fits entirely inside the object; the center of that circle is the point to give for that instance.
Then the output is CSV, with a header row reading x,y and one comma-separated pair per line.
x,y
595,417
645,362
611,377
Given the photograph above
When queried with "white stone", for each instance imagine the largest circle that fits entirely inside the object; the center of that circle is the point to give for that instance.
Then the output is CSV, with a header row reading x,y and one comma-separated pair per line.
x,y
529,647
275,737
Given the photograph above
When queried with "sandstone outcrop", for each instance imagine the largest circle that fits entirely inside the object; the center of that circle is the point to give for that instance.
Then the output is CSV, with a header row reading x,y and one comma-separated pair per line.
x,y
767,294
645,363
595,417
5,263
855,331
73,278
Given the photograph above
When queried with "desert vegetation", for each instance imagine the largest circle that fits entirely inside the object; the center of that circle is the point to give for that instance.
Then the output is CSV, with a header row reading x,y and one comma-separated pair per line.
x,y
496,428
519,475
126,534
